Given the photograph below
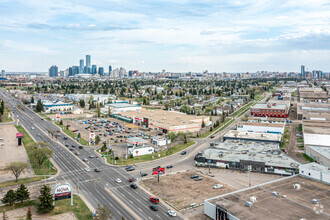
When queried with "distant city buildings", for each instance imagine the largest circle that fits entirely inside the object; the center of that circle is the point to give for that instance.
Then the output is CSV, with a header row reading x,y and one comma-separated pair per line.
x,y
53,71
3,73
81,66
88,63
303,71
101,71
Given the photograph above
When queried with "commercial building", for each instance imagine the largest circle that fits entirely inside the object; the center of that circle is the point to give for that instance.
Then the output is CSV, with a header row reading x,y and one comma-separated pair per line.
x,y
270,110
120,108
167,121
81,66
101,71
141,150
319,154
253,136
88,64
94,69
313,111
53,71
57,106
94,97
261,127
294,197
316,172
267,120
313,95
160,141
263,157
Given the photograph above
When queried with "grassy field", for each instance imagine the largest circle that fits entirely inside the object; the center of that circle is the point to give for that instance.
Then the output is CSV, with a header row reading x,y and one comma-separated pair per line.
x,y
150,157
71,134
215,130
61,206
286,137
22,181
44,169
307,158
4,117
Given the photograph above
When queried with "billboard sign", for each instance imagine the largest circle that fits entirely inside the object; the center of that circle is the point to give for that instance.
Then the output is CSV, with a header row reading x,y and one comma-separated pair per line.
x,y
92,137
62,192
19,135
158,171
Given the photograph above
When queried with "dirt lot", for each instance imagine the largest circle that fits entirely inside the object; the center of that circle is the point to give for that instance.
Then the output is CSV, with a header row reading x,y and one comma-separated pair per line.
x,y
10,152
187,191
21,214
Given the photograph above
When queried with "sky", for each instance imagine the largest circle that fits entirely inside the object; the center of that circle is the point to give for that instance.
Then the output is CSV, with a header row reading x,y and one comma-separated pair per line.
x,y
175,35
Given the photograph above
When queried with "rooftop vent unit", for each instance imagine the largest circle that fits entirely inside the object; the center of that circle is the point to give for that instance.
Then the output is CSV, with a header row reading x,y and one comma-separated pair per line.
x,y
275,193
248,204
315,201
253,199
296,186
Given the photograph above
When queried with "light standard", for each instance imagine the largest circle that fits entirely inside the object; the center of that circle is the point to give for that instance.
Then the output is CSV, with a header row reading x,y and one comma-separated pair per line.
x,y
250,169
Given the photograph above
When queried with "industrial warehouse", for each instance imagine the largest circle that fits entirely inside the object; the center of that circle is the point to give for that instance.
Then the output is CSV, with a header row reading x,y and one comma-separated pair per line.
x,y
167,121
240,154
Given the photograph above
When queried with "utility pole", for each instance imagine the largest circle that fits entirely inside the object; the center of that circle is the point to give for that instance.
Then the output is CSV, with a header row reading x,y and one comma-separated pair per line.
x,y
250,169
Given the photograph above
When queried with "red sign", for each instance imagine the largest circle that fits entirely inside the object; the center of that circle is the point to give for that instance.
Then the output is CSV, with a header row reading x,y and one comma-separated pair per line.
x,y
62,194
19,135
158,171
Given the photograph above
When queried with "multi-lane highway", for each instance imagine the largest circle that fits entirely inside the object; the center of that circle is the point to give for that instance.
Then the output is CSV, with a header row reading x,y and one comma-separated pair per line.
x,y
133,204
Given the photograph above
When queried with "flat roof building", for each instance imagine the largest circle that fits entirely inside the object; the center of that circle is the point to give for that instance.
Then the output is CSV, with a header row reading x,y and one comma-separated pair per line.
x,y
313,95
119,108
261,127
253,136
313,111
292,197
319,154
167,121
271,109
239,154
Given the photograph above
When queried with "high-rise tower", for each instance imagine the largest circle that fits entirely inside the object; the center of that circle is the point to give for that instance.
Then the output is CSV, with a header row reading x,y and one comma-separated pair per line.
x,y
81,66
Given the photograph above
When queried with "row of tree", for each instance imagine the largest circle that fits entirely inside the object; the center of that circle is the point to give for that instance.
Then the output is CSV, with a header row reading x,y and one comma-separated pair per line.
x,y
2,109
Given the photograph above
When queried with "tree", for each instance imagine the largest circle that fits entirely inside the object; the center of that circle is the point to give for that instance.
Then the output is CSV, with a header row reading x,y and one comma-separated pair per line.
x,y
61,122
103,213
17,168
104,147
45,203
109,111
40,106
78,136
172,136
22,193
40,152
29,214
203,123
9,198
97,139
82,103
32,99
4,215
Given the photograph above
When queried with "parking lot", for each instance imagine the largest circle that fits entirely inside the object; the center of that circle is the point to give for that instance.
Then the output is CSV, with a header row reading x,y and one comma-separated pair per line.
x,y
111,130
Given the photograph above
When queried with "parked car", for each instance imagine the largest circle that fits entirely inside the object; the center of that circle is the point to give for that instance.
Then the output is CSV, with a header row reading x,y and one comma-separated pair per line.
x,y
198,178
97,170
171,213
133,185
218,186
154,200
154,207
194,176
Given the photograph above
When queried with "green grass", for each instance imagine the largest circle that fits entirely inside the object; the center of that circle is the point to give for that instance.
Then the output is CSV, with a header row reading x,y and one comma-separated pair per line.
x,y
307,158
22,181
286,138
5,117
300,146
44,169
71,134
61,206
79,208
299,128
150,157
45,117
217,129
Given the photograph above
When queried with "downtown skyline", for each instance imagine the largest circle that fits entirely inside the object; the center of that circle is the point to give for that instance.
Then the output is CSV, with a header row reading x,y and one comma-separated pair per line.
x,y
231,36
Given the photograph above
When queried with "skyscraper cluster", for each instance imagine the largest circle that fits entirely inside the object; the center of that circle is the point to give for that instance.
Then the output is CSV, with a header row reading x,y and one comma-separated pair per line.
x,y
88,69
53,71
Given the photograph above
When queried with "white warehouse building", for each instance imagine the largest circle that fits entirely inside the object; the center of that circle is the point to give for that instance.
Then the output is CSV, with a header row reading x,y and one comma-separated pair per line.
x,y
117,108
261,127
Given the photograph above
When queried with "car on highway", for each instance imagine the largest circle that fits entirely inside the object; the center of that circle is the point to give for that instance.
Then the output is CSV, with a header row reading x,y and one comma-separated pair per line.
x,y
154,200
217,186
169,166
154,207
65,137
85,159
134,186
32,128
97,170
130,169
77,153
144,174
194,176
81,147
171,213
71,149
118,180
73,145
198,178
183,152
212,136
66,145
91,156
87,169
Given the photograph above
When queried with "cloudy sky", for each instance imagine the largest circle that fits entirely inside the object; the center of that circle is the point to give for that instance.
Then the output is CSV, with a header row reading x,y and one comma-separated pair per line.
x,y
176,35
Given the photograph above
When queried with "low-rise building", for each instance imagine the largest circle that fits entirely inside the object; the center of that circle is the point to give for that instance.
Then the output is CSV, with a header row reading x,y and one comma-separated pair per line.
x,y
319,154
57,106
267,120
118,108
141,150
160,141
313,111
313,95
253,136
270,110
261,127
316,172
